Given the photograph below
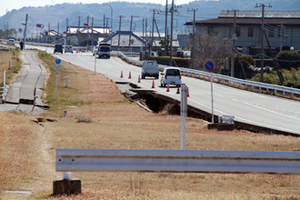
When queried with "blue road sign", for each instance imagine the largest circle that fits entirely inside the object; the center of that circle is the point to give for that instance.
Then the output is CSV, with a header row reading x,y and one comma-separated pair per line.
x,y
46,33
20,30
209,65
95,43
58,61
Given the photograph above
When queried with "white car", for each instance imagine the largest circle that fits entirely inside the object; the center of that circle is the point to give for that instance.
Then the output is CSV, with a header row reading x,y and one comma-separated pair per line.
x,y
170,75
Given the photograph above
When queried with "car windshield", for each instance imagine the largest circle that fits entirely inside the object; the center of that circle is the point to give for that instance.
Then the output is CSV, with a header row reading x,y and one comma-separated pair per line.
x,y
105,49
173,72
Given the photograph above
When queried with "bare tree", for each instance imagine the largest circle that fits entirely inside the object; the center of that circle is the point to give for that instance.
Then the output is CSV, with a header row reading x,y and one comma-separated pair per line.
x,y
210,47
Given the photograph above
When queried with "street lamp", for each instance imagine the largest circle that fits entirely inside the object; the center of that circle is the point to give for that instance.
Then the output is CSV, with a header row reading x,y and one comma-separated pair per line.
x,y
111,17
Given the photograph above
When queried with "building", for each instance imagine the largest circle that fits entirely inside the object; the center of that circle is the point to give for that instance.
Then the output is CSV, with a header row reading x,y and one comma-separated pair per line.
x,y
282,29
51,36
138,42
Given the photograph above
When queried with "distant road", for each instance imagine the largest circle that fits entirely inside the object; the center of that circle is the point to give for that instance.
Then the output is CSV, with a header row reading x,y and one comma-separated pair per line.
x,y
247,107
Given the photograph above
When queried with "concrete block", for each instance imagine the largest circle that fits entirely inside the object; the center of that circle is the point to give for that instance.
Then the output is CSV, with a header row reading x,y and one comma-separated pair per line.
x,y
225,127
212,126
66,187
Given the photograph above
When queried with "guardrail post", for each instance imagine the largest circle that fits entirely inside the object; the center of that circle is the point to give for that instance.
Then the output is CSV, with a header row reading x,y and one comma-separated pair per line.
x,y
183,114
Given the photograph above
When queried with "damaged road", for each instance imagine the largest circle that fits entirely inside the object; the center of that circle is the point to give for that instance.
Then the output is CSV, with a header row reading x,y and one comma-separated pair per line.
x,y
25,93
157,102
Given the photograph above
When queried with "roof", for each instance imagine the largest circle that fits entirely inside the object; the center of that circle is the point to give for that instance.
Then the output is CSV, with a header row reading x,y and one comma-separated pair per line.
x,y
287,18
258,13
75,30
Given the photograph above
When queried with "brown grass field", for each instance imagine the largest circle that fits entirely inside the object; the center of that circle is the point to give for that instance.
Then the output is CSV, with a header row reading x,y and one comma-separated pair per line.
x,y
98,116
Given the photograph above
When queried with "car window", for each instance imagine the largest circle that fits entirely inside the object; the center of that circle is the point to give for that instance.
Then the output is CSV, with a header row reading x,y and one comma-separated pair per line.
x,y
173,72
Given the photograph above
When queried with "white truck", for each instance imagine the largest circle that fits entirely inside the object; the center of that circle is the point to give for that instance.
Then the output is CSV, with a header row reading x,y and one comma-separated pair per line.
x,y
104,50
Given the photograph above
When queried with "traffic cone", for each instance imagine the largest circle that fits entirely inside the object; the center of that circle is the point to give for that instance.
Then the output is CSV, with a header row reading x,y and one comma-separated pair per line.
x,y
129,75
139,79
121,74
153,84
187,92
168,88
178,92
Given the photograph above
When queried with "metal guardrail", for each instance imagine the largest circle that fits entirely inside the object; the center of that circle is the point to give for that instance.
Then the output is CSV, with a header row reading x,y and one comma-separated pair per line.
x,y
87,160
223,78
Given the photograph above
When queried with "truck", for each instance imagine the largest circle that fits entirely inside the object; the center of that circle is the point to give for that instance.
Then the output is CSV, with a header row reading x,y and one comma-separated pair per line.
x,y
104,50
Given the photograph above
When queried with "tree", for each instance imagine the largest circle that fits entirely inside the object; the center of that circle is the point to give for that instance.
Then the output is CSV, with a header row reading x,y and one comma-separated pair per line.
x,y
210,47
8,33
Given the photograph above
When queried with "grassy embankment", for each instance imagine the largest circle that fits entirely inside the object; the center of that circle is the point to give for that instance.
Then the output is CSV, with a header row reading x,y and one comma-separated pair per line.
x,y
99,117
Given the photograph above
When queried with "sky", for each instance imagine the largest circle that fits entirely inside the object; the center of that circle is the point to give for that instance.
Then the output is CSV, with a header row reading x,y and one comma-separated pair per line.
x,y
8,5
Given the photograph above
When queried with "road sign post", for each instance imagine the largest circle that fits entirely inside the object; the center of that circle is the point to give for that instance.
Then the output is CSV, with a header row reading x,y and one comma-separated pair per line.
x,y
95,44
46,33
57,66
209,66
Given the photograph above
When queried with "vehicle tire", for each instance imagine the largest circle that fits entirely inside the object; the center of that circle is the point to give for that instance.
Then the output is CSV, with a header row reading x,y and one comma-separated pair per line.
x,y
143,76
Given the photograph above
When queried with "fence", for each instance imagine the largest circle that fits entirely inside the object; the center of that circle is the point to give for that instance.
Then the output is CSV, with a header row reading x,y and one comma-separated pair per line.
x,y
125,160
228,79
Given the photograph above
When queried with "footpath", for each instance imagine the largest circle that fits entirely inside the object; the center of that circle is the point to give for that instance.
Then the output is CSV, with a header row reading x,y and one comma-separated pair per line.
x,y
25,93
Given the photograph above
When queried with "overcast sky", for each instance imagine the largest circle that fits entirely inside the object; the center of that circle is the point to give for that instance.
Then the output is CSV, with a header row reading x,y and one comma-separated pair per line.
x,y
8,5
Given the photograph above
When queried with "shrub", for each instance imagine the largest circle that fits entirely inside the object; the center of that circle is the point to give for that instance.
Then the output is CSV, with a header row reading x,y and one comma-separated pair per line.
x,y
288,59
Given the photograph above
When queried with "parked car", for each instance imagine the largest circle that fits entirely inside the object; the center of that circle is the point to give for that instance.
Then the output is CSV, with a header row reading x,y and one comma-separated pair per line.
x,y
150,68
11,41
69,49
58,48
172,76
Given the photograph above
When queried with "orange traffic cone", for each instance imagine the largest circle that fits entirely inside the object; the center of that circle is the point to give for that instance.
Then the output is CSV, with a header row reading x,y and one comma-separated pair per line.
x,y
187,92
121,74
129,75
168,88
139,79
153,84
178,92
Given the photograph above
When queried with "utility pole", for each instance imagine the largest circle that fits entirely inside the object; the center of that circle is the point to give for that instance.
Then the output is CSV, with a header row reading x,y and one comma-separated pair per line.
x,y
93,28
78,21
48,26
166,29
130,34
193,45
104,20
281,37
233,43
67,23
153,19
171,44
172,10
262,39
120,31
24,35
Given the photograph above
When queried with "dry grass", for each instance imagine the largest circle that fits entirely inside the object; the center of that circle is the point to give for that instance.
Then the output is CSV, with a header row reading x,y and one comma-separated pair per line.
x,y
28,161
15,65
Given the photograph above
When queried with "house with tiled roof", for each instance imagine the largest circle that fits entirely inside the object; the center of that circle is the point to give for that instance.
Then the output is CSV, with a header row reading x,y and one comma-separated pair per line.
x,y
282,29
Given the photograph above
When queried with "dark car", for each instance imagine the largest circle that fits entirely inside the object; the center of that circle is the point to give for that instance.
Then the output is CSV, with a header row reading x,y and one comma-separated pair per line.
x,y
58,48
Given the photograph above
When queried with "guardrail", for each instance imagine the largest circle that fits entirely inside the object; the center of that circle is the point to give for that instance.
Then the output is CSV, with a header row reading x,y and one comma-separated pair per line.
x,y
124,160
228,79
